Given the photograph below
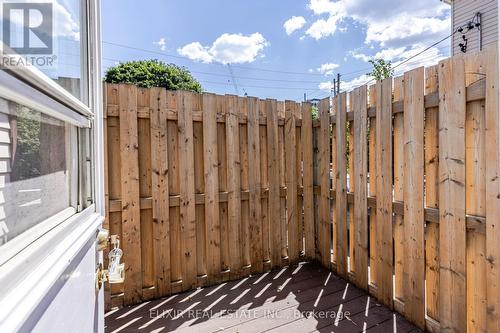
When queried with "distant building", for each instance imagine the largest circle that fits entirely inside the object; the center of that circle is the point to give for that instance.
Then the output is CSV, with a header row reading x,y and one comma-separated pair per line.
x,y
484,12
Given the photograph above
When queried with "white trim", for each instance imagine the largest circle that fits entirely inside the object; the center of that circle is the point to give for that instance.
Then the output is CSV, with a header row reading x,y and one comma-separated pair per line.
x,y
19,243
13,89
96,100
37,79
53,254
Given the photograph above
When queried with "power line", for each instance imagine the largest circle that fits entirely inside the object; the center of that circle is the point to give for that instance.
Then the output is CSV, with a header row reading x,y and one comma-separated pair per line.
x,y
236,76
186,58
263,87
458,29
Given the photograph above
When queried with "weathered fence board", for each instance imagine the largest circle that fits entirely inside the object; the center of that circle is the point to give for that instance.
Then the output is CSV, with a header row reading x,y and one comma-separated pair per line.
x,y
159,175
187,213
274,185
341,184
308,198
492,121
452,305
372,190
291,182
413,183
211,177
131,240
431,152
360,172
254,185
399,165
324,180
204,188
383,149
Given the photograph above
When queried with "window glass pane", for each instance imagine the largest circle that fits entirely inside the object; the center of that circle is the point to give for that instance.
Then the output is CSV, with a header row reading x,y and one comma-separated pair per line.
x,y
69,67
35,168
56,45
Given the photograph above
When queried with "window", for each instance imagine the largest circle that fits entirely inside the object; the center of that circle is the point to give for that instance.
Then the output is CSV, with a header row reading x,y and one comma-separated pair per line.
x,y
47,137
70,48
47,130
36,168
65,59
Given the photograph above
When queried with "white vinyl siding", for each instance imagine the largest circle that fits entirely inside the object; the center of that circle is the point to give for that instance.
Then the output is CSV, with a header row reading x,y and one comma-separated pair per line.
x,y
464,11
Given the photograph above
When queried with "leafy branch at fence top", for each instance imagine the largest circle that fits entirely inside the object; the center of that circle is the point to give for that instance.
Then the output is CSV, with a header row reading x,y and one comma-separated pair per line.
x,y
381,69
153,73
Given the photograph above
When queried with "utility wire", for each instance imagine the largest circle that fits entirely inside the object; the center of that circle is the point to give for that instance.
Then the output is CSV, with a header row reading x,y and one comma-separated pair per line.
x,y
263,87
186,58
460,28
236,76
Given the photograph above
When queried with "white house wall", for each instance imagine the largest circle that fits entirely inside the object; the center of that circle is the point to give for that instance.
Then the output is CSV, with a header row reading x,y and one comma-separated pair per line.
x,y
463,11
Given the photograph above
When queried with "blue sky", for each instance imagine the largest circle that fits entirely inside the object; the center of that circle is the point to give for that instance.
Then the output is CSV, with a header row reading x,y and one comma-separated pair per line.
x,y
275,48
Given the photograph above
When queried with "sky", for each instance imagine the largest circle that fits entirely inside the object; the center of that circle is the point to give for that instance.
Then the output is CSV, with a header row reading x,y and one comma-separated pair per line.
x,y
276,48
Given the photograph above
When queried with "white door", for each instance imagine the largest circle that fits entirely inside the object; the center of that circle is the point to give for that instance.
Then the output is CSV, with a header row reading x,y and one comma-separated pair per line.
x,y
51,170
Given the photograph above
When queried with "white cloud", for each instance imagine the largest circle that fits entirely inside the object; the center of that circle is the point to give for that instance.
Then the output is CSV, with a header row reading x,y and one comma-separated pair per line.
x,y
346,85
197,52
161,44
227,49
323,28
64,24
326,7
326,86
294,23
360,56
327,68
407,29
389,24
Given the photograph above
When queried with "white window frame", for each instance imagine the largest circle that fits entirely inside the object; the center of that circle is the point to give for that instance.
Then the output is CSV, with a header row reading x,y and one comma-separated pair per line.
x,y
31,263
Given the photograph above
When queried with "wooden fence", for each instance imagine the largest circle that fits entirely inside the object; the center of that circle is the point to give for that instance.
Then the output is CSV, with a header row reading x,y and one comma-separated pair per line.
x,y
198,190
395,187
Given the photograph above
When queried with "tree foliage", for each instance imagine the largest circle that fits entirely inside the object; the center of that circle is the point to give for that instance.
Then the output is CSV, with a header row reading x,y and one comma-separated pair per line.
x,y
153,73
381,69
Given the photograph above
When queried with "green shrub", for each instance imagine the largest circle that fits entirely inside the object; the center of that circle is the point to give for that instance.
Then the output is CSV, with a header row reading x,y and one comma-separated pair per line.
x,y
153,73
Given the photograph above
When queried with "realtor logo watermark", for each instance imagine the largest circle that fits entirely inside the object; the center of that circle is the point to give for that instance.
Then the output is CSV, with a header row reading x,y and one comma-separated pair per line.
x,y
28,31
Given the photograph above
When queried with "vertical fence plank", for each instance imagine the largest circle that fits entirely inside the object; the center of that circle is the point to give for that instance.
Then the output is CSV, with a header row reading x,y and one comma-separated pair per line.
x,y
414,260
245,209
298,175
187,188
351,185
475,192
222,163
254,185
264,170
492,191
452,303
174,184
341,192
384,229
372,190
431,151
282,181
211,174
114,178
399,236
324,174
274,185
233,185
159,179
334,181
145,191
131,228
307,146
360,186
291,182
199,188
